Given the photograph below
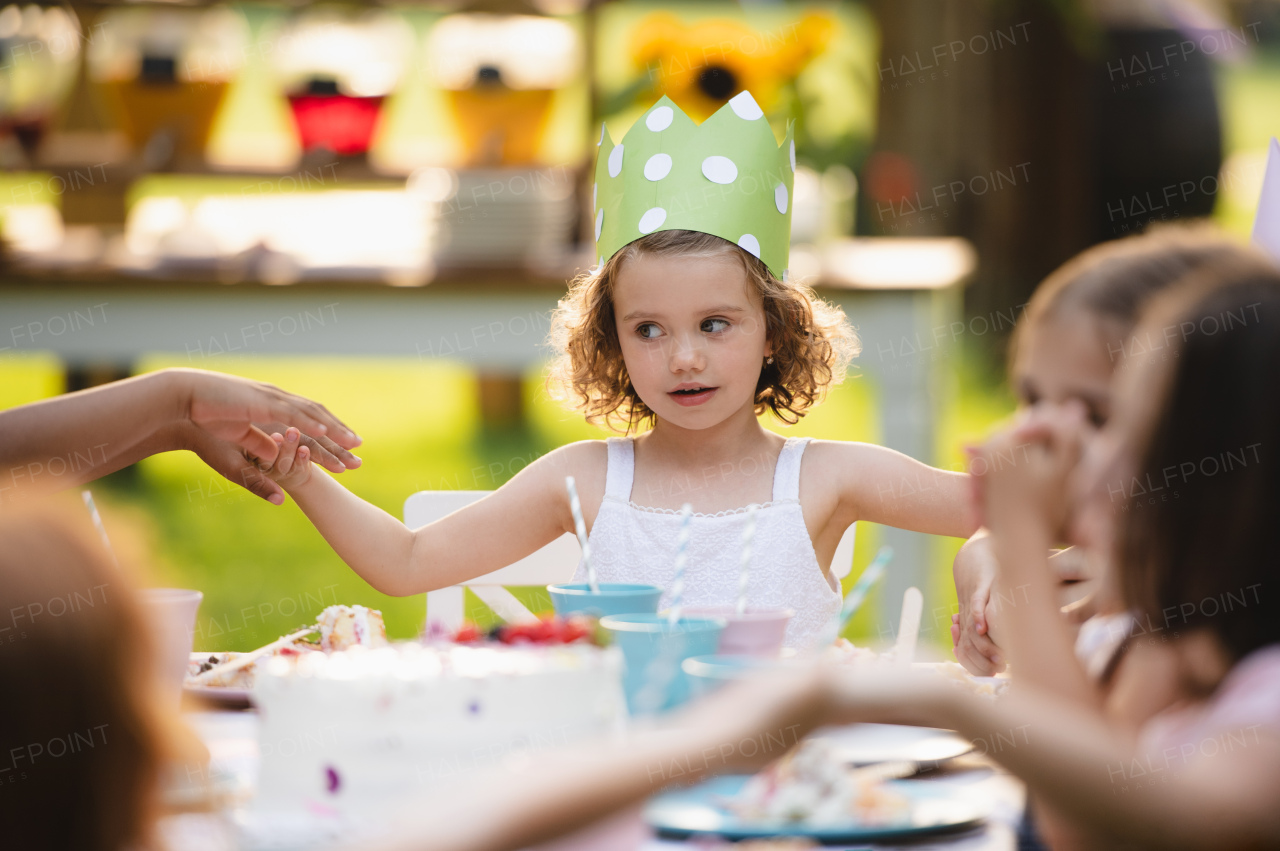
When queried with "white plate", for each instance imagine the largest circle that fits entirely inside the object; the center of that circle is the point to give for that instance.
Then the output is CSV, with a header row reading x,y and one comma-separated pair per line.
x,y
866,744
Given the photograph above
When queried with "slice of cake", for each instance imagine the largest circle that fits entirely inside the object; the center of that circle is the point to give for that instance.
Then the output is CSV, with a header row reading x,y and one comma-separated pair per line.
x,y
344,627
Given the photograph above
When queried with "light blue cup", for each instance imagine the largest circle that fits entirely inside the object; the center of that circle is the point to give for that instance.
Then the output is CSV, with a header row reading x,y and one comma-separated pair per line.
x,y
613,598
653,652
707,673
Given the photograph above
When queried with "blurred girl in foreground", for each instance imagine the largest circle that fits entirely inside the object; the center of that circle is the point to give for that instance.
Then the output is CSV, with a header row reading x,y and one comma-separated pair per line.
x,y
1067,346
1179,490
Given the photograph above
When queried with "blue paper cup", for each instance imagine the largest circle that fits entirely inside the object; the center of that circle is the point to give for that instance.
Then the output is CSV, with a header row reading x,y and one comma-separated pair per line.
x,y
654,651
707,673
613,598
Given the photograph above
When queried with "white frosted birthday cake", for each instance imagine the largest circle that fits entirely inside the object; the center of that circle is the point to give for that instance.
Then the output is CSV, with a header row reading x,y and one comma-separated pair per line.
x,y
358,732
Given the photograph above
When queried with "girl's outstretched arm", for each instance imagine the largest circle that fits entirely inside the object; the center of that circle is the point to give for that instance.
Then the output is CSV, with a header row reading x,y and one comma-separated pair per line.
x,y
523,515
849,481
1092,772
562,791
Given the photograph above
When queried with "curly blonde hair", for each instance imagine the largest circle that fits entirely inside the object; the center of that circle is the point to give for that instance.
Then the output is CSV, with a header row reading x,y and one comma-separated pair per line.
x,y
811,340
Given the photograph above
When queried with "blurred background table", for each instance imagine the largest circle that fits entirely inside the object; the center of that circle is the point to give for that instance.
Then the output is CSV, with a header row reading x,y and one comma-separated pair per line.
x,y
902,294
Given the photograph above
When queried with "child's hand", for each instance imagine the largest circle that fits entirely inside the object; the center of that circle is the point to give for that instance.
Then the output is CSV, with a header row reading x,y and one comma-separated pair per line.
x,y
1021,473
974,570
292,467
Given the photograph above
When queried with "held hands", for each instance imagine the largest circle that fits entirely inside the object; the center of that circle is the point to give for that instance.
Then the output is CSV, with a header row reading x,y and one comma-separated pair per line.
x,y
235,465
227,407
292,466
235,426
975,571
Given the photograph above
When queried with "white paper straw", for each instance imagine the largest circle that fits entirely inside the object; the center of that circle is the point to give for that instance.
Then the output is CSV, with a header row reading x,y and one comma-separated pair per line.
x,y
682,561
580,527
97,523
748,535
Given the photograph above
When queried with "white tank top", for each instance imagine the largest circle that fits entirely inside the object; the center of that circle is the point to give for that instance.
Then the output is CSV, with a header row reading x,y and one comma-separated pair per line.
x,y
633,543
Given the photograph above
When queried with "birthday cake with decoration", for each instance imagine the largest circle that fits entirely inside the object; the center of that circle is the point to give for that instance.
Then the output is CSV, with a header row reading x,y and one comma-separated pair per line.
x,y
355,733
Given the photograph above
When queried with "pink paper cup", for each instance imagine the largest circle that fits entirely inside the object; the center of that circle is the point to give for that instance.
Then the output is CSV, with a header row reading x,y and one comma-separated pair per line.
x,y
759,631
171,617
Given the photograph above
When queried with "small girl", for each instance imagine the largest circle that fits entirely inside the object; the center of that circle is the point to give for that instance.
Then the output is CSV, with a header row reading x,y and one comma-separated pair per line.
x,y
691,327
1187,466
1075,331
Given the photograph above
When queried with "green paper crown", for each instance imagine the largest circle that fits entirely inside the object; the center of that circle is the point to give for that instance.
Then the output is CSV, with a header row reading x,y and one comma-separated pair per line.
x,y
727,177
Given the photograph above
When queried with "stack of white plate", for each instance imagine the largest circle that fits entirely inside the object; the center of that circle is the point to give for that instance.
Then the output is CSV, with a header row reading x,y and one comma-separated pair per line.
x,y
507,218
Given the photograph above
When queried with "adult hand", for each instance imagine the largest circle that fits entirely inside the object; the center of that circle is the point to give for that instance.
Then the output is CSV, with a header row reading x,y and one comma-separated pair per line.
x,y
227,408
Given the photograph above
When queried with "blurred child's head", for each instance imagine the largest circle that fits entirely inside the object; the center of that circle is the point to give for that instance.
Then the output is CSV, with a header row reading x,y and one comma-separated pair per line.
x,y
80,726
1077,324
681,325
1189,463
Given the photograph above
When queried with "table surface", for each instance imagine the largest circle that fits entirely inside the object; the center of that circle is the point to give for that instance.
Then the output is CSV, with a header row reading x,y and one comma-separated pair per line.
x,y
233,748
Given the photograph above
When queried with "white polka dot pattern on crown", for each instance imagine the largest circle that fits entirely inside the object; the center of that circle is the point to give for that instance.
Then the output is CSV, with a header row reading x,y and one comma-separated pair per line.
x,y
658,166
652,219
659,119
719,170
750,244
615,161
780,197
745,107
599,223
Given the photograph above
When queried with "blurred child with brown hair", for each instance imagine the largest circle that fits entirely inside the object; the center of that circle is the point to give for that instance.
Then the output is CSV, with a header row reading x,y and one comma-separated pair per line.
x,y
83,728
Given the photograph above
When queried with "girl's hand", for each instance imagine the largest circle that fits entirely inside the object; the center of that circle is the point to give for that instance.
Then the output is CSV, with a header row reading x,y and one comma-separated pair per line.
x,y
974,571
292,466
1021,473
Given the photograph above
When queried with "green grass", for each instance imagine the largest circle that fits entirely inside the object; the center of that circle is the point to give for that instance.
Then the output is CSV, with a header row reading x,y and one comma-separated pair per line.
x,y
265,569
1250,96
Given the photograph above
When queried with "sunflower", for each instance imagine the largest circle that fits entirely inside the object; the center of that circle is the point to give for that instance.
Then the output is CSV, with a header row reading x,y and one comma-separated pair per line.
x,y
701,66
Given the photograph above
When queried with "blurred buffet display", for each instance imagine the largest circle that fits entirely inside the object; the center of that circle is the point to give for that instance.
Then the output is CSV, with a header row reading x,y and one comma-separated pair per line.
x,y
390,143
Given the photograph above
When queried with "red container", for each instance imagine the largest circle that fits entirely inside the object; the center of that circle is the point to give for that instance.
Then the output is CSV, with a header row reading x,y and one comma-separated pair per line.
x,y
342,123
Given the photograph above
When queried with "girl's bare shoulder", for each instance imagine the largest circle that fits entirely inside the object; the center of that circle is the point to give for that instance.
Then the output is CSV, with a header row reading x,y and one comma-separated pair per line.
x,y
585,460
838,457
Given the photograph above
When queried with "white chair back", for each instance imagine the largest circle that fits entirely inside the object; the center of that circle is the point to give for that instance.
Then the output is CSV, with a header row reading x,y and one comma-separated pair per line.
x,y
842,561
553,563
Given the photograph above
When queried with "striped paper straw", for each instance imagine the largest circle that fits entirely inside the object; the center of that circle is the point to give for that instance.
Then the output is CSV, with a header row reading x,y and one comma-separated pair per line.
x,y
748,535
857,594
97,524
682,561
580,527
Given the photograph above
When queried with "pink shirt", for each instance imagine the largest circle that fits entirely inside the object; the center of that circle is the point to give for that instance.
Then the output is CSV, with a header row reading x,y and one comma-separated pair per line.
x,y
1246,704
